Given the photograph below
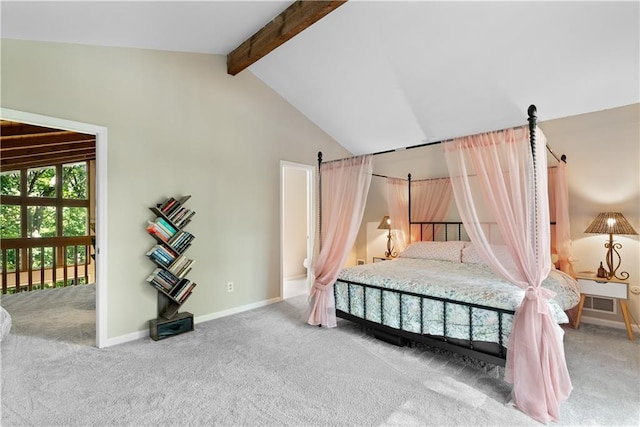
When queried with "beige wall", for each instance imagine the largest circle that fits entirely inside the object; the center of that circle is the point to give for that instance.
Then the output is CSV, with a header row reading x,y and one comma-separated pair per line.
x,y
177,124
603,168
294,234
603,154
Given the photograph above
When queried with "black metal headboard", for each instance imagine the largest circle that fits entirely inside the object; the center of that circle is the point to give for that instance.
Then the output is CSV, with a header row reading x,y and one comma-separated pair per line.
x,y
440,230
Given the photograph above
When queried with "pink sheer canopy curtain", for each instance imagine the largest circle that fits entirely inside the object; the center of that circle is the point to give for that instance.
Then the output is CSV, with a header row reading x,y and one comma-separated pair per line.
x,y
344,187
398,205
500,189
430,201
559,213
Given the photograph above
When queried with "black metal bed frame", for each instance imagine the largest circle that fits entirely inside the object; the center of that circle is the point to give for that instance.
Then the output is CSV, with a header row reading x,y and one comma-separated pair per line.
x,y
493,353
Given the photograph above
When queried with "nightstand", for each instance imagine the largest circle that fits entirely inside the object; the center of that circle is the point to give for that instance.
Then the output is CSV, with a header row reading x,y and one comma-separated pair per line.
x,y
380,258
613,288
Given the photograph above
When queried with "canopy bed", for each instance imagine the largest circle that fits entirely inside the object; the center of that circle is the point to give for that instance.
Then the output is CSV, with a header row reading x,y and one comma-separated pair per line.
x,y
494,297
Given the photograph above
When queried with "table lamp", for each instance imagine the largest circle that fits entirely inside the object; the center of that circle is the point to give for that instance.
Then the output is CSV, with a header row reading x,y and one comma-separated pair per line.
x,y
612,223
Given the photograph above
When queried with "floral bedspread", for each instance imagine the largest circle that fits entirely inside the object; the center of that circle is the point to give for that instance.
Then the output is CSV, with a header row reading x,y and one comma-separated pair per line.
x,y
471,283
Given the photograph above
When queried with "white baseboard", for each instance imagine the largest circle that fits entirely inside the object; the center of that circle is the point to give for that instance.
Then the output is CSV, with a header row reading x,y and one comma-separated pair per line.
x,y
126,338
608,323
145,332
236,310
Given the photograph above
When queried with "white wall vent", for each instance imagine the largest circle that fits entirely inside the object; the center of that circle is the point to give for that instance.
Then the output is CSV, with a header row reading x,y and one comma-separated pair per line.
x,y
605,305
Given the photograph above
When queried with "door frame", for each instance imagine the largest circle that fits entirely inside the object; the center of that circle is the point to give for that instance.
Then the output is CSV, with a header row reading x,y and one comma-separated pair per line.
x,y
311,218
101,202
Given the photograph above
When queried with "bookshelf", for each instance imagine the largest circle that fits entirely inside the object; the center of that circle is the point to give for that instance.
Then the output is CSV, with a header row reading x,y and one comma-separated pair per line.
x,y
172,265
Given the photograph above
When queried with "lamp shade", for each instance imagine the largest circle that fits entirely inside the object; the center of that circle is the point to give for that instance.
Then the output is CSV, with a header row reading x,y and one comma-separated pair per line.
x,y
610,223
385,224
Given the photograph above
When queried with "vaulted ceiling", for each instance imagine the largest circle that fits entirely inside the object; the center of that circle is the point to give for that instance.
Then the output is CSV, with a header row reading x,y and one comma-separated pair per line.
x,y
379,75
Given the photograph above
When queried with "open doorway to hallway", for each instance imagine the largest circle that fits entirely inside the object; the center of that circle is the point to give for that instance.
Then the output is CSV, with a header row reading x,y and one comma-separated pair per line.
x,y
297,225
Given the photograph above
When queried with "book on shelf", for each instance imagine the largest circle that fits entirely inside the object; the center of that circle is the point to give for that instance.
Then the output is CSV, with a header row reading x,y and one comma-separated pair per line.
x,y
159,282
160,254
165,276
174,207
168,276
159,236
167,204
177,289
158,286
163,226
181,240
178,214
166,252
155,230
166,225
175,265
159,261
180,264
186,219
186,292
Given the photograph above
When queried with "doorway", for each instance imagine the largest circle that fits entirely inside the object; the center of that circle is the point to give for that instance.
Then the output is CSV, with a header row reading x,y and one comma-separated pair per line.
x,y
297,228
100,198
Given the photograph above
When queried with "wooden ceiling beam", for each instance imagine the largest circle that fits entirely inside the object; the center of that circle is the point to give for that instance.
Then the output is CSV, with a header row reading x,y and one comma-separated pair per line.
x,y
50,150
55,158
8,128
299,16
43,140
7,165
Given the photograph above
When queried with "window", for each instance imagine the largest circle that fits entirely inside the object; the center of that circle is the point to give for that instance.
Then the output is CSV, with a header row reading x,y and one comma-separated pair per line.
x,y
10,183
41,182
10,221
74,221
52,206
74,181
45,202
41,221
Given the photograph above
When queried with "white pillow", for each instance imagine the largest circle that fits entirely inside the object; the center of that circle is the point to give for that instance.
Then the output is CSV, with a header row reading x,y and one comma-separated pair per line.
x,y
470,255
445,251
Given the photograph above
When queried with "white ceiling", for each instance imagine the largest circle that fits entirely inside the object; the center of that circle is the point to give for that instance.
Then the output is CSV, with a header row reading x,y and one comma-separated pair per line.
x,y
379,75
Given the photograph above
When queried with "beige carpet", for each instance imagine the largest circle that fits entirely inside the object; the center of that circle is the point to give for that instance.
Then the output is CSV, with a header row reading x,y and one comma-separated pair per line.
x,y
268,367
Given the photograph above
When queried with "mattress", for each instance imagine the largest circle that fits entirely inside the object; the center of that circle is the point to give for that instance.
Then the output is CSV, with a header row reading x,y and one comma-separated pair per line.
x,y
457,281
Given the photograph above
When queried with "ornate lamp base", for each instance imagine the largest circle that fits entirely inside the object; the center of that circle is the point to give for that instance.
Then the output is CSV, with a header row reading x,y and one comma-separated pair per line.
x,y
611,270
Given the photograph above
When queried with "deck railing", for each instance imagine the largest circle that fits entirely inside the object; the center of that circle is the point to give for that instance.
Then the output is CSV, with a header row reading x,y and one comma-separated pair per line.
x,y
45,262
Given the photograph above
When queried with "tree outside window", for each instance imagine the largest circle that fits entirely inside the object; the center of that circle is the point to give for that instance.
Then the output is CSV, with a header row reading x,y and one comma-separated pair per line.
x,y
35,204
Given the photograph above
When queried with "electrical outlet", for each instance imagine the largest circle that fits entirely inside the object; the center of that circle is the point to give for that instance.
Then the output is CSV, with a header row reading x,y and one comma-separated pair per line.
x,y
230,287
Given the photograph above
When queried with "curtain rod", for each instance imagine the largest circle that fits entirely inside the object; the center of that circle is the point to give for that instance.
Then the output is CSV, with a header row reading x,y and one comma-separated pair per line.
x,y
442,141
562,158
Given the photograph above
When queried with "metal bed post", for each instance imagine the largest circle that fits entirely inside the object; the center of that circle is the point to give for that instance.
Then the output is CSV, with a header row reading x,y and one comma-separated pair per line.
x,y
532,130
319,200
532,140
320,213
409,205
